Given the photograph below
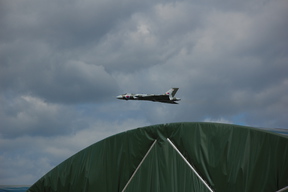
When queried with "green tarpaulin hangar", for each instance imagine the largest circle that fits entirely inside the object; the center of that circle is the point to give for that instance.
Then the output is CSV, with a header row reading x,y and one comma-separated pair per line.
x,y
176,157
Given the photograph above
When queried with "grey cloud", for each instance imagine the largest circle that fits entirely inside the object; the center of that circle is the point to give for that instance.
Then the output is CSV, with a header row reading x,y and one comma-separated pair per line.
x,y
41,40
228,55
28,115
37,155
67,82
75,82
62,64
62,22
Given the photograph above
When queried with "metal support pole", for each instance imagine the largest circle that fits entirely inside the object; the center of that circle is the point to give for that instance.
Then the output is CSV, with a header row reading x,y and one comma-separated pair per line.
x,y
139,166
283,189
189,165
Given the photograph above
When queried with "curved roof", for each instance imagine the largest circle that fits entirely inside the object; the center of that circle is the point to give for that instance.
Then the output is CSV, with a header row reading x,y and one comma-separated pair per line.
x,y
176,157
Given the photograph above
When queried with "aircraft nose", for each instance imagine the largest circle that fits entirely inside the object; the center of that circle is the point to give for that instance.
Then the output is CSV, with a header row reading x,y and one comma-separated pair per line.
x,y
119,97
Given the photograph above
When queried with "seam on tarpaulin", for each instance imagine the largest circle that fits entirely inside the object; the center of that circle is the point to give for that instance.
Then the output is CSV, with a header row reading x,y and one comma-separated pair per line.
x,y
139,165
187,162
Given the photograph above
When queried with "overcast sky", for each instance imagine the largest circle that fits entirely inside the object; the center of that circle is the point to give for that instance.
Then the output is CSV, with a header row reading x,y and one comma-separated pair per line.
x,y
63,62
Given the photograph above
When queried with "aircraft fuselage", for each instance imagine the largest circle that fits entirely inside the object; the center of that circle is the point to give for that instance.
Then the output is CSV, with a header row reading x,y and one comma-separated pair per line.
x,y
168,97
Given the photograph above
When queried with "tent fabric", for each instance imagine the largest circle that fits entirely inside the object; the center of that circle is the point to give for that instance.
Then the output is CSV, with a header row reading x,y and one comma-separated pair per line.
x,y
227,157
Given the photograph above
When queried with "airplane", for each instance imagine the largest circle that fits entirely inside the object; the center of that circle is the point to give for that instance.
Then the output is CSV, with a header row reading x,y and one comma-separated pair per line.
x,y
168,97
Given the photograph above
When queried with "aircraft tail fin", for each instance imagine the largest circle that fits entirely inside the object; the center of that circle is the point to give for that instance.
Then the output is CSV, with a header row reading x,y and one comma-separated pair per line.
x,y
172,92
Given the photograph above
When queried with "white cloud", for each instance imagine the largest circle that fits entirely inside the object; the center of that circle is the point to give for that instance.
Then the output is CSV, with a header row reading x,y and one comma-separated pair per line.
x,y
219,120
